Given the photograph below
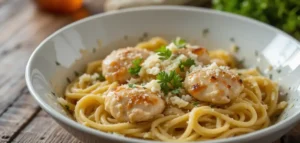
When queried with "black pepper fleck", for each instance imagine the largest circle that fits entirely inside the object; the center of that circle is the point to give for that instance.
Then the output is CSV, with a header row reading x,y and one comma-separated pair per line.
x,y
141,39
271,76
278,71
53,93
241,81
232,39
94,50
76,73
145,35
42,138
68,80
125,37
286,94
205,31
57,63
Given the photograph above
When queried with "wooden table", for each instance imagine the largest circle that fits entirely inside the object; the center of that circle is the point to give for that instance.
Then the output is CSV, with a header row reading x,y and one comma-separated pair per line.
x,y
22,28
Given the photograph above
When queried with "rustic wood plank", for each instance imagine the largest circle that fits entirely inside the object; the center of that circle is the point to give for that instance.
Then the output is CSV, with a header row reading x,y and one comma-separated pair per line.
x,y
17,116
16,22
12,77
278,141
293,136
24,28
44,129
9,8
15,52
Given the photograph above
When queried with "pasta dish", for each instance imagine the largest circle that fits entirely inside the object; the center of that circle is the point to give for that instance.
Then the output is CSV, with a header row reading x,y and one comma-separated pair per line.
x,y
172,92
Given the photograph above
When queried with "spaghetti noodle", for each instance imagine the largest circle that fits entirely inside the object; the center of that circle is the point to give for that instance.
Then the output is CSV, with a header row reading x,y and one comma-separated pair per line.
x,y
185,117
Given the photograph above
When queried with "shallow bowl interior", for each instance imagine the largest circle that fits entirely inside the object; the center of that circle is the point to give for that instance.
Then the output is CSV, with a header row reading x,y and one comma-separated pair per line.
x,y
61,56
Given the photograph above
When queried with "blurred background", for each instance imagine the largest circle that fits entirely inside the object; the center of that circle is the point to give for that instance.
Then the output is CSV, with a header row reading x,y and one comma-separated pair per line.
x,y
283,14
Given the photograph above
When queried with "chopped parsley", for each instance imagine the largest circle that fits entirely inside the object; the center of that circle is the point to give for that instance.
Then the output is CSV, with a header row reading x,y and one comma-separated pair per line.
x,y
136,67
101,77
235,48
271,76
180,43
188,63
131,85
164,53
278,71
205,31
196,103
176,91
169,82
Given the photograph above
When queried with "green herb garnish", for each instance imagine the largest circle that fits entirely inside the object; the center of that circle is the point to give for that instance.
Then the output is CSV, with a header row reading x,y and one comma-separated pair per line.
x,y
196,103
164,53
136,66
131,85
283,14
188,63
101,77
169,82
180,43
176,91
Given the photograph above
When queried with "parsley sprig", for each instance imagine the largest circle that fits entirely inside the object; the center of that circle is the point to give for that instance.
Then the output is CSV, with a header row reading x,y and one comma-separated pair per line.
x,y
164,53
283,14
180,43
131,85
169,82
101,77
136,66
188,63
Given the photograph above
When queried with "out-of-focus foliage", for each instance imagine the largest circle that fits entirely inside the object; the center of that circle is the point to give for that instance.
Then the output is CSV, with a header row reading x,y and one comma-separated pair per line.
x,y
283,14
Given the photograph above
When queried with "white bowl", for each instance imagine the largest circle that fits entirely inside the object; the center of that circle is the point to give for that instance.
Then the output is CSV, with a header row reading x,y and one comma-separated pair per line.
x,y
56,59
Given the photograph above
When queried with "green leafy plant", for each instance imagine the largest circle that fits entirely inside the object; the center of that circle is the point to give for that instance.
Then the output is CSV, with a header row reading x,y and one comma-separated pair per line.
x,y
283,14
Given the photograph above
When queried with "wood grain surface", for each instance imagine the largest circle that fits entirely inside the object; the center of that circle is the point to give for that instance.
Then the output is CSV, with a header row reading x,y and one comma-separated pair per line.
x,y
23,26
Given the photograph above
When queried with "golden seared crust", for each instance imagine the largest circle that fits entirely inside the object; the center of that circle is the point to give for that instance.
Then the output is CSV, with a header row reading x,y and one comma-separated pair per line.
x,y
115,66
217,85
133,104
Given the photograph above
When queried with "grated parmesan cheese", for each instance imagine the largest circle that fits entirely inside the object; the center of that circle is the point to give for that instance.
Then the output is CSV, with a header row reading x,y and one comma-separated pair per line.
x,y
133,80
95,76
175,100
151,65
172,47
153,71
153,85
187,98
175,63
84,79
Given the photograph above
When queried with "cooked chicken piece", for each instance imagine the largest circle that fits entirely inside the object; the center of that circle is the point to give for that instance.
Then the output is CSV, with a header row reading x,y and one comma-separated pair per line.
x,y
217,85
133,104
115,66
199,54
